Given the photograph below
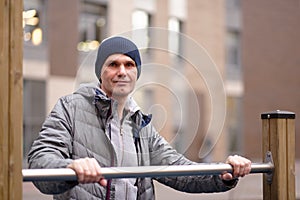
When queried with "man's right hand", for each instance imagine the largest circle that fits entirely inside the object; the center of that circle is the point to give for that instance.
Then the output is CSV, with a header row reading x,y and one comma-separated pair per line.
x,y
88,171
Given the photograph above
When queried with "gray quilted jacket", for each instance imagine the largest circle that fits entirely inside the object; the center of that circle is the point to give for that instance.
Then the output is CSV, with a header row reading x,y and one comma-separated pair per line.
x,y
76,128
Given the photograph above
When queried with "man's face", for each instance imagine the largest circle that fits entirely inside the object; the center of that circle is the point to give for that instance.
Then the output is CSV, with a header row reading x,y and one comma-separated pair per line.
x,y
118,75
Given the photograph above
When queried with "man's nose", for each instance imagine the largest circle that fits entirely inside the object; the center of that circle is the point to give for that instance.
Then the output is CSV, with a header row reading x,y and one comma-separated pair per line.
x,y
122,70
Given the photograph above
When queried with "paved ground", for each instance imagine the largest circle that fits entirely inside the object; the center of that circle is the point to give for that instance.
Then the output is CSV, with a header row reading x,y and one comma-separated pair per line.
x,y
249,188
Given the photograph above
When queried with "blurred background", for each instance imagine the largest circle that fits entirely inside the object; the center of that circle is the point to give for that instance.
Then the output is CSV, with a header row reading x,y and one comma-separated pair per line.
x,y
254,44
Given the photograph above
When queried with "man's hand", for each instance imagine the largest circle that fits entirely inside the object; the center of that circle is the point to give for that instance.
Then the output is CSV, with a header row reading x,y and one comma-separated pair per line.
x,y
88,171
241,167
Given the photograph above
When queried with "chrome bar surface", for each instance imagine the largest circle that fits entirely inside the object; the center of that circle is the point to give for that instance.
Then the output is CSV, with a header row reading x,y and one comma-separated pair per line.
x,y
66,174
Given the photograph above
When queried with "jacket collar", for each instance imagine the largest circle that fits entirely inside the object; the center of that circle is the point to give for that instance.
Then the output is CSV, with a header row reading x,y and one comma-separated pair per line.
x,y
105,103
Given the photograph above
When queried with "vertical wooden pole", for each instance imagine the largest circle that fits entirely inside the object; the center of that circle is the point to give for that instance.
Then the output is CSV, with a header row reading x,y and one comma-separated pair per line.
x,y
278,129
11,110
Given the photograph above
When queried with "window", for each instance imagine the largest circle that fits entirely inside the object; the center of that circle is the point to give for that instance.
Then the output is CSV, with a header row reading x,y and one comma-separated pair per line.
x,y
34,112
232,40
233,63
140,23
92,26
32,31
235,125
174,26
233,4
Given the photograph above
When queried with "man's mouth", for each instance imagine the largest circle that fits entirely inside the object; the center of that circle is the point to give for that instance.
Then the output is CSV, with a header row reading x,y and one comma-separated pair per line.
x,y
121,82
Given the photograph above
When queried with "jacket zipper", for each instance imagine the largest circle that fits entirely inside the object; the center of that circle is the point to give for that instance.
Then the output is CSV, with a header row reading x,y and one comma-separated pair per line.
x,y
109,182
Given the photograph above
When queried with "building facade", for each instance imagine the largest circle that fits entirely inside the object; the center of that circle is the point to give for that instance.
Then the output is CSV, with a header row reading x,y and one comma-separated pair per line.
x,y
61,38
270,59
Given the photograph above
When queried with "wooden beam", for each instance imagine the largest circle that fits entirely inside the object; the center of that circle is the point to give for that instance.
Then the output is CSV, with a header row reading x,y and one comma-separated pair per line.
x,y
278,129
4,98
11,110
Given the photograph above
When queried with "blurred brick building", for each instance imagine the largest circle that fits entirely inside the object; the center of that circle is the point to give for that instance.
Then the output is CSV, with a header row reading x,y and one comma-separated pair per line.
x,y
271,60
254,44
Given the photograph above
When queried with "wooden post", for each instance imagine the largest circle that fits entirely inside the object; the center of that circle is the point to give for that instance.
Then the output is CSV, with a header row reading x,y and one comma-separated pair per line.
x,y
278,129
11,110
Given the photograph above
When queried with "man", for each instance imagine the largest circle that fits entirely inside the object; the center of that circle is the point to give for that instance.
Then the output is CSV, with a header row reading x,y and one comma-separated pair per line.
x,y
100,125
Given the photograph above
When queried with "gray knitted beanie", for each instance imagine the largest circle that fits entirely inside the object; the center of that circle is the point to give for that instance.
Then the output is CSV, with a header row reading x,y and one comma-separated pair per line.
x,y
116,45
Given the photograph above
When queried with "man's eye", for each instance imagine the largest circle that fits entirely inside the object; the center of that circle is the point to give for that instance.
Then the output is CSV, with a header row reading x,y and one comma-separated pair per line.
x,y
130,64
113,64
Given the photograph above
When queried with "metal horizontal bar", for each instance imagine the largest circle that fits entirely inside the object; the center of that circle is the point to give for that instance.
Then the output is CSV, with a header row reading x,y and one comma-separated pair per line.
x,y
66,174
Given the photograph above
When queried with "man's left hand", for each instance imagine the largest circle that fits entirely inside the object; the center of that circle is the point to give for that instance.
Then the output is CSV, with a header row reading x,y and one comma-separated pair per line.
x,y
241,167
